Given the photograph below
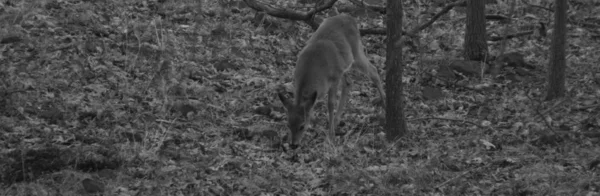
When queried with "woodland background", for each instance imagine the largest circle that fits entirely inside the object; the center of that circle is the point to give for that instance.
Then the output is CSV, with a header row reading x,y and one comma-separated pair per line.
x,y
166,97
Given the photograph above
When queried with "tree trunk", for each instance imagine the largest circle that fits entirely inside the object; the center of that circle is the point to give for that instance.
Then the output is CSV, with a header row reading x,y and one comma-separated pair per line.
x,y
557,64
475,41
395,125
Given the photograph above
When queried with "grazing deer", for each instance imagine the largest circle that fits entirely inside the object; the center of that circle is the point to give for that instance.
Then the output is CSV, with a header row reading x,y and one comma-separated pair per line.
x,y
321,68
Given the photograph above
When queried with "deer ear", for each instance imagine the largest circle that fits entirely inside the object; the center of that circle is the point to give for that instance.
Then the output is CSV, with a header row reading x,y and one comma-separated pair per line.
x,y
286,102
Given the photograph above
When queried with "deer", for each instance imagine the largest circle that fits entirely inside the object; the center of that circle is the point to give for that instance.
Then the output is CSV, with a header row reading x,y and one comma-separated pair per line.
x,y
321,67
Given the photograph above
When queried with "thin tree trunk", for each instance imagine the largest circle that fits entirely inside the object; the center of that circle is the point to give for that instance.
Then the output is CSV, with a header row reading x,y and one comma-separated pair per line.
x,y
557,65
475,42
395,122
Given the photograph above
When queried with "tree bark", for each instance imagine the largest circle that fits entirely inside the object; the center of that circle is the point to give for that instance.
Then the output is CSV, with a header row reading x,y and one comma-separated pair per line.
x,y
475,41
557,65
395,123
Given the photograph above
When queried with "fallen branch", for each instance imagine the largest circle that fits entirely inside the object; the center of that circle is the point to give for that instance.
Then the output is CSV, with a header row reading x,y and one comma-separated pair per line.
x,y
495,17
380,9
435,17
479,87
519,34
448,119
380,31
307,17
587,107
5,93
571,21
584,24
373,31
536,6
413,33
589,134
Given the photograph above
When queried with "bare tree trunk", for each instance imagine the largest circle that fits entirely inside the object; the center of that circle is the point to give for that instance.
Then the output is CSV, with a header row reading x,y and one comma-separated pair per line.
x,y
395,125
557,64
475,41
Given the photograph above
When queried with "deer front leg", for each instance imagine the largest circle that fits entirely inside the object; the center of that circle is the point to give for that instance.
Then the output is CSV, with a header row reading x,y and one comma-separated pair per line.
x,y
331,103
346,85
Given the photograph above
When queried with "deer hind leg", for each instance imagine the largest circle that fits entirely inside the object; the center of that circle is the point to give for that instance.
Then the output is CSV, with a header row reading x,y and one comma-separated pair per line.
x,y
378,83
366,67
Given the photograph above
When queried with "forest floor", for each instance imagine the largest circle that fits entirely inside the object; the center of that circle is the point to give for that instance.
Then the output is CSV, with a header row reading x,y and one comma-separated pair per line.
x,y
147,97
